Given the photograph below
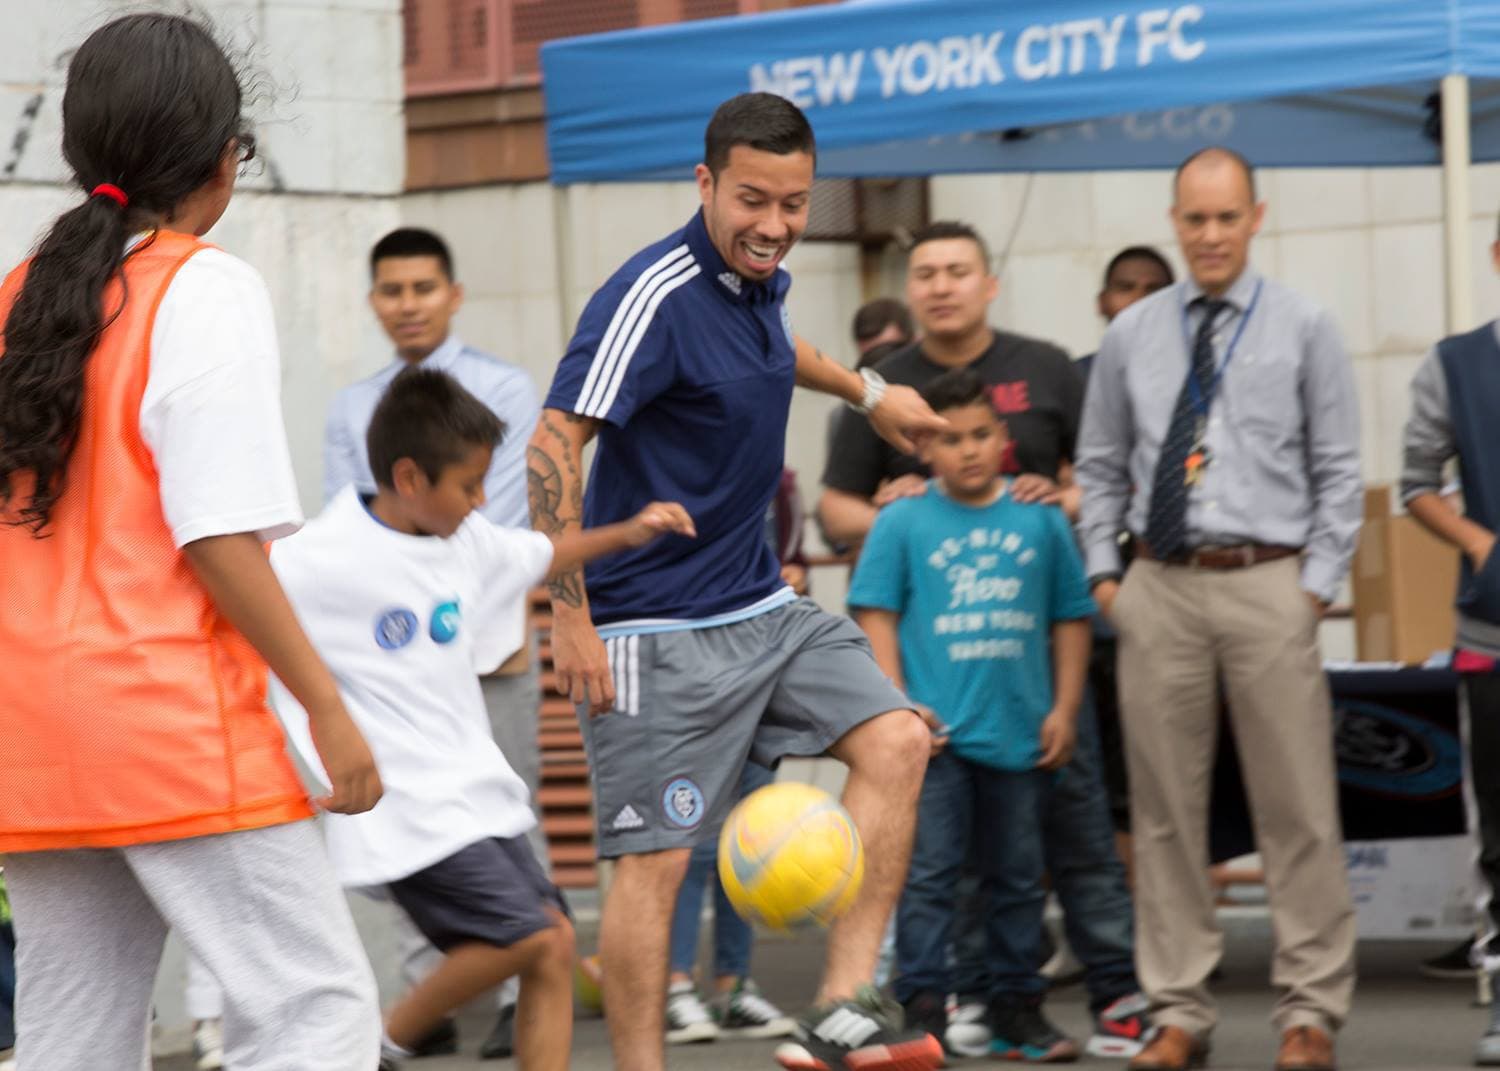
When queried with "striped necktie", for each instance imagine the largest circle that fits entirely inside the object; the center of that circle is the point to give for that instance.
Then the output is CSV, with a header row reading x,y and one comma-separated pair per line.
x,y
1166,520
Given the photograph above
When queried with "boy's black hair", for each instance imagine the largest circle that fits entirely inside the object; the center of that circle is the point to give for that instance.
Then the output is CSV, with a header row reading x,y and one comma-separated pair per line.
x,y
427,416
873,317
945,229
1139,252
956,389
763,121
412,242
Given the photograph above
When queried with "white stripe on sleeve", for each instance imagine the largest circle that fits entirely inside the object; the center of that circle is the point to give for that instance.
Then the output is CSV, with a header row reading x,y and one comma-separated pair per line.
x,y
617,378
622,321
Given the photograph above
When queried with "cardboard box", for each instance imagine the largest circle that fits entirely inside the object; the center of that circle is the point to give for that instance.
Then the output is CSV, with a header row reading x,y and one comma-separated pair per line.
x,y
1419,888
1404,581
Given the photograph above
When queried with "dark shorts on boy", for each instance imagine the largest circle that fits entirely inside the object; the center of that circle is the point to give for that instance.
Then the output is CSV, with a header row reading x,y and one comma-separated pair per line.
x,y
693,704
491,892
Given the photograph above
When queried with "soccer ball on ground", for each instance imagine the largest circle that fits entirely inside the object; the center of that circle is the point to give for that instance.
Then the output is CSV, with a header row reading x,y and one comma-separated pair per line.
x,y
789,856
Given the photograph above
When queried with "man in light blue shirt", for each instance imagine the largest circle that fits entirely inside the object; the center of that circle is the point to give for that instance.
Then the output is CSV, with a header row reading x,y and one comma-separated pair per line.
x,y
415,297
1221,428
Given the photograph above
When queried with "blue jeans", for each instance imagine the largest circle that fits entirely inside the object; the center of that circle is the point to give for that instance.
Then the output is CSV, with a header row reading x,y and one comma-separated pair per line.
x,y
959,798
1087,875
7,986
732,934
1078,840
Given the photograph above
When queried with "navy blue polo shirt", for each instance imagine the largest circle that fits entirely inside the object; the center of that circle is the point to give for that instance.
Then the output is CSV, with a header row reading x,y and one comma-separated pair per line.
x,y
690,369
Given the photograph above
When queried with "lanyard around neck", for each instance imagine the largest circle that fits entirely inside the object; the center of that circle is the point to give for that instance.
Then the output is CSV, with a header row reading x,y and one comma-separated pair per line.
x,y
1203,396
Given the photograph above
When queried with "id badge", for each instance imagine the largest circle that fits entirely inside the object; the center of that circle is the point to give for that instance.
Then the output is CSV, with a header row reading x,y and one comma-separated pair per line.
x,y
1198,457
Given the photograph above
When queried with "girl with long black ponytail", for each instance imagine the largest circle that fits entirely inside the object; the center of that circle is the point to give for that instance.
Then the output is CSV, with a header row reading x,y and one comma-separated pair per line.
x,y
143,464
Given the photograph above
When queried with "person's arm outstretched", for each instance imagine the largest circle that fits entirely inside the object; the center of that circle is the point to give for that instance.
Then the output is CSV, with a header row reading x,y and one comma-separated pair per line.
x,y
237,574
554,487
900,417
572,549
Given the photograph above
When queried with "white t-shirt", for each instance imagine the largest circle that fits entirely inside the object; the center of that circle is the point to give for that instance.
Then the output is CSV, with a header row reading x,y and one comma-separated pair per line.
x,y
211,412
393,616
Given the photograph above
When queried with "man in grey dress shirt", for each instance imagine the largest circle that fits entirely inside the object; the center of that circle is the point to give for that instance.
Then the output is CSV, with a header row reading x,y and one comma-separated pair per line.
x,y
1221,428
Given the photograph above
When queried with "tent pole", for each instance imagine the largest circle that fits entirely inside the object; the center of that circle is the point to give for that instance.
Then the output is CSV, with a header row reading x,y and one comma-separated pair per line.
x,y
1456,203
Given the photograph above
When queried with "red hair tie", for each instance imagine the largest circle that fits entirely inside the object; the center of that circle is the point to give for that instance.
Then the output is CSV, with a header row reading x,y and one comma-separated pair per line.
x,y
113,192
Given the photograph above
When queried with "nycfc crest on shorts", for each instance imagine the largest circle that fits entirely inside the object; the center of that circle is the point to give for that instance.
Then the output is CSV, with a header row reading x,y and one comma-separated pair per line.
x,y
683,803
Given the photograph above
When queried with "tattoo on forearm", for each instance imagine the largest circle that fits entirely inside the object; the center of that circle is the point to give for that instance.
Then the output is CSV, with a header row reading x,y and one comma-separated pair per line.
x,y
567,588
556,500
543,490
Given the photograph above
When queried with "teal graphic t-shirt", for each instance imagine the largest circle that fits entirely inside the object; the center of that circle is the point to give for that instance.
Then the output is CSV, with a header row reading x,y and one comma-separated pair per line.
x,y
978,589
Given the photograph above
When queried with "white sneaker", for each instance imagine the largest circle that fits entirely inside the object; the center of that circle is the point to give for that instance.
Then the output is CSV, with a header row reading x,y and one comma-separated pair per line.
x,y
688,1019
968,1032
8,1060
208,1045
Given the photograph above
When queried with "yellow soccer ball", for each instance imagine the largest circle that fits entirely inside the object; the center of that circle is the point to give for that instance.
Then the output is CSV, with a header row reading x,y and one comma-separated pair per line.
x,y
789,856
588,982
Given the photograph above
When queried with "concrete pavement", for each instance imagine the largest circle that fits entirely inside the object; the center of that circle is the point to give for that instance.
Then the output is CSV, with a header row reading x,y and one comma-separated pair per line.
x,y
1401,1021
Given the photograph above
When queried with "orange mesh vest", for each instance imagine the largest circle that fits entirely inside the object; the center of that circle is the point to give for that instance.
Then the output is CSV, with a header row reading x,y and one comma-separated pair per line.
x,y
131,711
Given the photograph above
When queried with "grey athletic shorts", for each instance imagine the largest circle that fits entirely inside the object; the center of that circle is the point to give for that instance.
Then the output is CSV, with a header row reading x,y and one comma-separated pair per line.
x,y
692,705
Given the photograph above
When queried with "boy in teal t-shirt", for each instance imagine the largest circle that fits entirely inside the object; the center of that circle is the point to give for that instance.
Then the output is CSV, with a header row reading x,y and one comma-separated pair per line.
x,y
978,606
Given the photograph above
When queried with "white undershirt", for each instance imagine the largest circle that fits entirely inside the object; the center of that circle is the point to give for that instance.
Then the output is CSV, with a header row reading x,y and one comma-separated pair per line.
x,y
211,412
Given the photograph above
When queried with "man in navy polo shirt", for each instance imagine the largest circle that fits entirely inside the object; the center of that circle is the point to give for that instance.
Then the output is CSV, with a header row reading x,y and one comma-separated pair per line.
x,y
690,657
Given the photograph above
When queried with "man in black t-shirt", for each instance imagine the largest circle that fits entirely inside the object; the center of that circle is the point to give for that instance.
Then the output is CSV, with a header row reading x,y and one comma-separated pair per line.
x,y
1033,383
1036,388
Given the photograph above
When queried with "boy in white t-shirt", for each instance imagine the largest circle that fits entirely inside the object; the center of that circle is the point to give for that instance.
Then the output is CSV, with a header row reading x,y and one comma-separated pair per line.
x,y
393,589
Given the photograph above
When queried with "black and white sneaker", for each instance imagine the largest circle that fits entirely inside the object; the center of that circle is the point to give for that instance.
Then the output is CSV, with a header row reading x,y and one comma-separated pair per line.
x,y
688,1020
744,1013
863,1034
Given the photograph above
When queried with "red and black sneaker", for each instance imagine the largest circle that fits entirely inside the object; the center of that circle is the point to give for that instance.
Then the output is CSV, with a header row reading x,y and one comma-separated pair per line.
x,y
1120,1029
863,1034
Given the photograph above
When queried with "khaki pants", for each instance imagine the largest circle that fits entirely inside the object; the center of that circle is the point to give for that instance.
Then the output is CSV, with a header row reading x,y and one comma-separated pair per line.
x,y
1181,630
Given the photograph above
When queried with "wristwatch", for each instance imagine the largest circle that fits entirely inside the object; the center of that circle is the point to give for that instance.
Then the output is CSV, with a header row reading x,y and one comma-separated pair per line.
x,y
874,391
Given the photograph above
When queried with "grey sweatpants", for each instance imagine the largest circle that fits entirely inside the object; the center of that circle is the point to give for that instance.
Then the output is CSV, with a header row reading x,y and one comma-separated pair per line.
x,y
260,908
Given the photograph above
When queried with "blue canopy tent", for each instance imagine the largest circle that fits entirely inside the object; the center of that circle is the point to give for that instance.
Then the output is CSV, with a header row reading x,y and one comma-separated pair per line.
x,y
921,87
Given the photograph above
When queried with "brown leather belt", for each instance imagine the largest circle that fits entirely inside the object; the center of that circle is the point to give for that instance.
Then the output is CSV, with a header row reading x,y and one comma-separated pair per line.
x,y
1238,556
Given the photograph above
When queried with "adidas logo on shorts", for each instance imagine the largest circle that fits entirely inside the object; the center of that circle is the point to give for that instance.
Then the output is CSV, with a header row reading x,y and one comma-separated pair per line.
x,y
628,819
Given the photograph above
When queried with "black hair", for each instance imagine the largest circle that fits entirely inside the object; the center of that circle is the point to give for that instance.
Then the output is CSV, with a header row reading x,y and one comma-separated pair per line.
x,y
875,316
763,121
1216,152
1139,252
875,354
956,389
944,229
152,105
427,416
412,242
